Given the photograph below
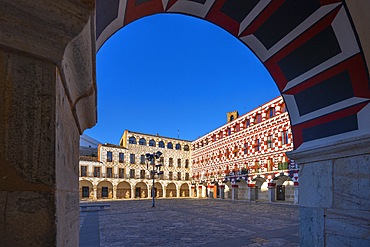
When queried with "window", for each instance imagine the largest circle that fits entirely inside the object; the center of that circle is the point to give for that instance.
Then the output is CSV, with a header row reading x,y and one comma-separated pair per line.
x,y
142,174
152,143
178,162
178,146
231,118
271,112
269,142
142,159
132,140
214,138
284,137
258,118
104,191
121,173
132,158
237,128
170,162
169,145
228,131
161,144
179,176
170,175
132,173
83,171
121,157
247,123
221,135
142,142
109,156
245,148
161,160
186,176
257,147
109,173
186,148
97,172
186,163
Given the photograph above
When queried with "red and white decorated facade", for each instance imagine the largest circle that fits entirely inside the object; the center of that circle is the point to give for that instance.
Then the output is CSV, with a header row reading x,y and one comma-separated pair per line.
x,y
247,152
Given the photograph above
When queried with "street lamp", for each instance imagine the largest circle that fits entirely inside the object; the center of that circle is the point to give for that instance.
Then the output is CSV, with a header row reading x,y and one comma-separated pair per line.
x,y
155,169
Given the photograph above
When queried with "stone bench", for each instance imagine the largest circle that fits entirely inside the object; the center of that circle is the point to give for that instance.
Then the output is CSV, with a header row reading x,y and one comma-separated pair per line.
x,y
93,207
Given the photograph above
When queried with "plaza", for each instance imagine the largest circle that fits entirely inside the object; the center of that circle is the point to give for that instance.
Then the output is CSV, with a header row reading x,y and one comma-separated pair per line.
x,y
190,222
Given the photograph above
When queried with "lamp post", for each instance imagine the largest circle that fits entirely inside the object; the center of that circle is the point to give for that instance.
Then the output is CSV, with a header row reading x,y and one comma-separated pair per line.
x,y
155,169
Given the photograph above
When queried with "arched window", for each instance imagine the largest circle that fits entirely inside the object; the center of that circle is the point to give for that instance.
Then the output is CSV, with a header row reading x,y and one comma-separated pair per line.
x,y
186,148
169,145
161,144
178,146
142,142
258,118
186,163
231,118
132,140
271,112
152,143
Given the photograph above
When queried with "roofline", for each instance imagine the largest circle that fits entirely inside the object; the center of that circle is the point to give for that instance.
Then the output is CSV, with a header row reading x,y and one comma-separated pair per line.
x,y
129,131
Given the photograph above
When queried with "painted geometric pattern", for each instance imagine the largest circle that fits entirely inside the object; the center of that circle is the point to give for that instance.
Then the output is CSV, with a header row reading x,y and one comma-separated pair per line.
x,y
309,47
256,141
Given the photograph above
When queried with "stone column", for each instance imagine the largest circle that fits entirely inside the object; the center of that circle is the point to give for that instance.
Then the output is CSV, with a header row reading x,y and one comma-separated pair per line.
x,y
192,191
47,87
199,191
133,192
251,196
177,191
272,192
95,193
296,193
204,191
164,192
222,191
334,195
234,192
150,192
115,192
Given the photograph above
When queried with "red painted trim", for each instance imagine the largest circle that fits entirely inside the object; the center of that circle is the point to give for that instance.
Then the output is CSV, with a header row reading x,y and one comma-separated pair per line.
x,y
217,17
234,186
296,183
134,13
297,129
271,184
357,71
272,63
251,185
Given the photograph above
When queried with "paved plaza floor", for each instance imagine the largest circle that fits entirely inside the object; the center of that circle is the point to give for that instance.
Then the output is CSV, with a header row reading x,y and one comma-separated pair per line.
x,y
190,222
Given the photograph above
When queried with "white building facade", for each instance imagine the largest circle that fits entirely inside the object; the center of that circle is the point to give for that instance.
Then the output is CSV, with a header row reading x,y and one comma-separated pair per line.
x,y
122,172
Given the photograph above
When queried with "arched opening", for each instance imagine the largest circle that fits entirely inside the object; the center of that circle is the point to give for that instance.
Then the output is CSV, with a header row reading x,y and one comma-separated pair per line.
x,y
86,190
124,190
261,189
105,190
141,190
171,190
184,190
284,188
158,189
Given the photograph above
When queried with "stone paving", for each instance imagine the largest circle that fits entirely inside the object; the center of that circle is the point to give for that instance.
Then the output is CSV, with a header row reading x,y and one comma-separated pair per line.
x,y
191,222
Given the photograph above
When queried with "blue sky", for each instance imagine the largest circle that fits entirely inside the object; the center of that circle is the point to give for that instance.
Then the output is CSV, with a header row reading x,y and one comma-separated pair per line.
x,y
177,76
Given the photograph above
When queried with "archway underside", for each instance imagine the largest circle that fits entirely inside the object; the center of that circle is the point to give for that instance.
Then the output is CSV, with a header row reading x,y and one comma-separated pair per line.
x,y
309,47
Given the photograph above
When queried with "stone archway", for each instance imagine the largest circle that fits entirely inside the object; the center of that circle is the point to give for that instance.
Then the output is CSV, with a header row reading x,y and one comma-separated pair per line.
x,y
124,190
159,189
284,188
171,190
141,190
105,190
184,190
86,189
